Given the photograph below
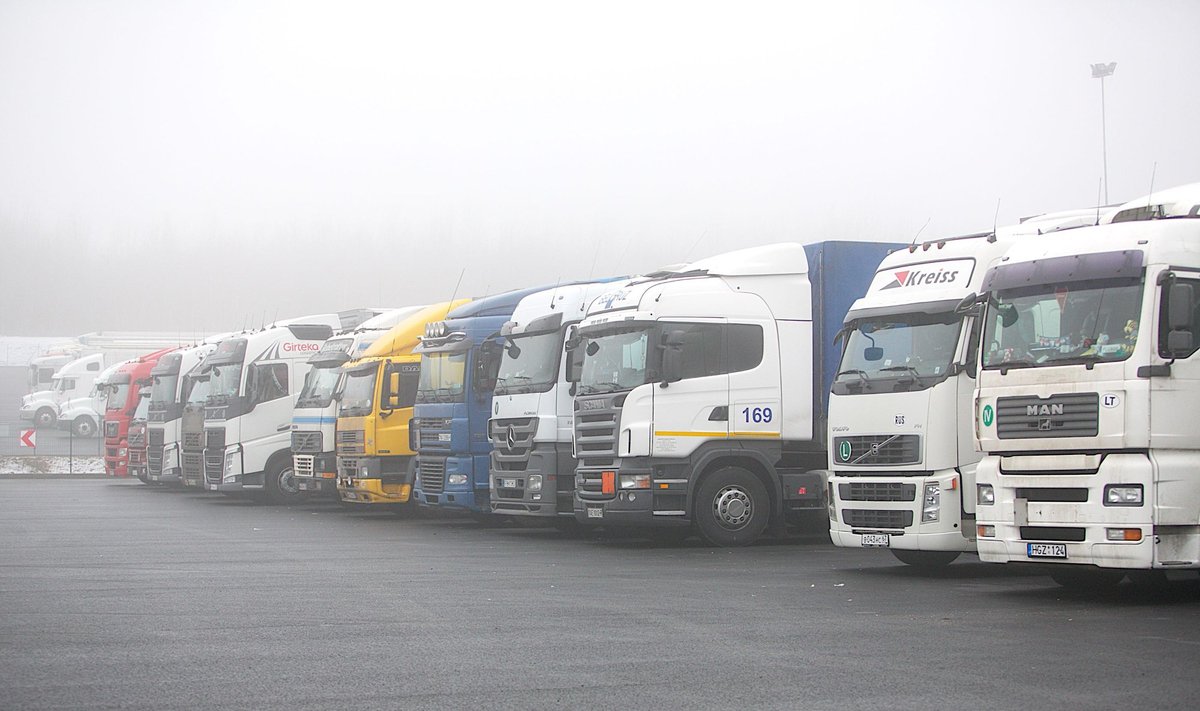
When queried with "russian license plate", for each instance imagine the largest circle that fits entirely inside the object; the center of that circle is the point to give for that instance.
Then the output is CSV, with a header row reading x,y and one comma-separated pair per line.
x,y
443,436
508,483
876,540
595,512
1046,550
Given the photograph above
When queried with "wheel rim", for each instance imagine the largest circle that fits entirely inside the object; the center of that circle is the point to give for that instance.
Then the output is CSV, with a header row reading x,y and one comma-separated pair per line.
x,y
287,482
733,507
44,419
84,429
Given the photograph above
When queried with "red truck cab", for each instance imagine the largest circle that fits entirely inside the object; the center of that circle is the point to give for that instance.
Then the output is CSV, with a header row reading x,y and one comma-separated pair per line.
x,y
124,393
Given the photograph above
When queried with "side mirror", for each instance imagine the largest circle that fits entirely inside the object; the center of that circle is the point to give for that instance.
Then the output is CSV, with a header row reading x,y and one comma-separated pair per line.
x,y
872,354
391,399
1180,301
672,357
969,306
592,348
1008,315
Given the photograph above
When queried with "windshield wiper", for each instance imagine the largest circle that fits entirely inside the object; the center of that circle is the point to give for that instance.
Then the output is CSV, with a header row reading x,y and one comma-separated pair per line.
x,y
866,380
599,388
1005,367
904,368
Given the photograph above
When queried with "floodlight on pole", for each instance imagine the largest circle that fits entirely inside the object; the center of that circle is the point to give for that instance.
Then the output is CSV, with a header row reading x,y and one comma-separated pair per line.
x,y
1099,71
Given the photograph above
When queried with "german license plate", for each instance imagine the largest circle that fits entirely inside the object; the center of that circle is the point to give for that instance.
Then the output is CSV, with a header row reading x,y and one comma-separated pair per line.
x,y
876,540
508,483
594,512
1046,550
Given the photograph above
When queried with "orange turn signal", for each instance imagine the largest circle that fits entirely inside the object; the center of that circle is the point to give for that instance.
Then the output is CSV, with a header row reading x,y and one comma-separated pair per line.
x,y
608,483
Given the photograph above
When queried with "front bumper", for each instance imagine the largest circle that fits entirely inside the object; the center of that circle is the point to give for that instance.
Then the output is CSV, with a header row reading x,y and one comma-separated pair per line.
x,y
894,504
663,505
315,473
432,488
373,491
512,492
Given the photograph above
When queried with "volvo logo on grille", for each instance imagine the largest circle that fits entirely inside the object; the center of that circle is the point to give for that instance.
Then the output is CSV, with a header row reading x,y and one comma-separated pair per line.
x,y
1044,409
511,437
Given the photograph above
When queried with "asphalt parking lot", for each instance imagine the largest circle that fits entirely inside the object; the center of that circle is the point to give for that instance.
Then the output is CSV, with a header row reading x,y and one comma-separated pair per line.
x,y
116,594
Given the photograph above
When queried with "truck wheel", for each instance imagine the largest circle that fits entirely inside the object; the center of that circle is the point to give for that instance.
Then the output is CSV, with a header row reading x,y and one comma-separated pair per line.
x,y
83,426
45,417
732,507
1087,578
926,560
281,483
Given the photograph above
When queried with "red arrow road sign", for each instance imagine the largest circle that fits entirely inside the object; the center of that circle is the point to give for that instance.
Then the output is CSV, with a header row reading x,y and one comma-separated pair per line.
x,y
28,438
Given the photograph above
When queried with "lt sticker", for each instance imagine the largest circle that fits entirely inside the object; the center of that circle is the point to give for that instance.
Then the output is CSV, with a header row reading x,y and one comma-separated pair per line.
x,y
1111,400
988,415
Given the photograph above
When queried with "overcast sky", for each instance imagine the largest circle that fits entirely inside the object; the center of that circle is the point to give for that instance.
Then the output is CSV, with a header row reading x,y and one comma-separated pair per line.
x,y
195,166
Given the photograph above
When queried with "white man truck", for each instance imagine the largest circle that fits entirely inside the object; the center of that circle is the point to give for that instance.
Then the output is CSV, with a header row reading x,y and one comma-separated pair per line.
x,y
702,393
253,386
314,419
532,466
902,457
1089,395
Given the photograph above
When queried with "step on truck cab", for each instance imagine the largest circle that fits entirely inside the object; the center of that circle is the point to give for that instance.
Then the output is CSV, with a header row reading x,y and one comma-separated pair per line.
x,y
124,390
314,418
701,397
1088,398
374,456
902,457
254,381
532,466
174,378
459,359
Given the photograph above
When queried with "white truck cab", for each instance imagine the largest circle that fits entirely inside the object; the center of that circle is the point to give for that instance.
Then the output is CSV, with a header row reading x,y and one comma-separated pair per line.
x,y
72,380
84,414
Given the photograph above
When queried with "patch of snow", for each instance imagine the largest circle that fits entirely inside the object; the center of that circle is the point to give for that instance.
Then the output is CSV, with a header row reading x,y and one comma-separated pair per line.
x,y
51,465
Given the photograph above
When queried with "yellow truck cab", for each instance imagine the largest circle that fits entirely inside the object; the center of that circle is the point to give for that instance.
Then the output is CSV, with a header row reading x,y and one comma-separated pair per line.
x,y
375,462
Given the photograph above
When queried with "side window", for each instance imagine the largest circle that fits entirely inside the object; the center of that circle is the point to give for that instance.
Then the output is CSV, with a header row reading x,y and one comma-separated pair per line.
x,y
269,382
744,346
406,394
1163,329
68,383
716,349
93,366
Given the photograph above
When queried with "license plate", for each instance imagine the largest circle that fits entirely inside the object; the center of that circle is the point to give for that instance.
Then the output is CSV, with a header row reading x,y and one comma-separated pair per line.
x,y
876,540
508,483
1046,550
595,512
443,436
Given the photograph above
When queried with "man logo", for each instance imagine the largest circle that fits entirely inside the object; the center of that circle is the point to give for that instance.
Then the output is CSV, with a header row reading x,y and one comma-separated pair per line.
x,y
1044,410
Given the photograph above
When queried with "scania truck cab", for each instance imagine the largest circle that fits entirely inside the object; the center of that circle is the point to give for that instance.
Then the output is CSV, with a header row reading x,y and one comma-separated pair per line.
x,y
174,378
459,359
1089,395
375,462
701,397
124,395
253,387
532,465
902,457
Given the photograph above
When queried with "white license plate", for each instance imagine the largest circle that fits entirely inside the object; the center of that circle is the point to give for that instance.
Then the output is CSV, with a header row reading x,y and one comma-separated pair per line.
x,y
595,512
443,436
1046,550
876,540
508,483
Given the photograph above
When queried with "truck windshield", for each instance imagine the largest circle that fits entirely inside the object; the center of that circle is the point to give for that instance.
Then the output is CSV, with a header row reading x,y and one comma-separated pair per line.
x,y
196,390
897,352
117,394
143,409
225,380
319,386
615,360
443,377
358,392
530,364
162,394
1061,324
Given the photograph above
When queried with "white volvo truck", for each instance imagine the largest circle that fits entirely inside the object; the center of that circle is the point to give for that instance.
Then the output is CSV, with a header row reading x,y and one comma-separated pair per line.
x,y
174,377
254,381
702,394
532,466
902,457
1089,395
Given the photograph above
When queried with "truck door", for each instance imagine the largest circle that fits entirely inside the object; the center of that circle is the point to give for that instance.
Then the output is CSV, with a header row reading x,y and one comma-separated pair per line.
x,y
693,408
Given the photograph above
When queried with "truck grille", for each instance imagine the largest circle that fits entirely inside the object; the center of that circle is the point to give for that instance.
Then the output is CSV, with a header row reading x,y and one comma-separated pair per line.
x,y
877,450
214,438
214,454
137,438
1062,415
512,441
306,442
302,465
877,491
433,474
154,455
596,429
433,433
112,430
349,442
1052,533
137,457
156,437
193,440
193,466
348,467
877,518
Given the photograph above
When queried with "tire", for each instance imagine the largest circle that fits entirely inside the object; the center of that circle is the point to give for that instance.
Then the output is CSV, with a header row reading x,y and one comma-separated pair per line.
x,y
731,508
44,417
84,426
281,483
925,560
1087,578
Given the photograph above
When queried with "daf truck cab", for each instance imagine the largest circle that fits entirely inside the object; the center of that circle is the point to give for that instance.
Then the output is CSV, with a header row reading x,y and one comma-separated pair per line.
x,y
254,382
532,465
124,395
174,378
314,462
902,457
1088,398
375,462
459,359
701,396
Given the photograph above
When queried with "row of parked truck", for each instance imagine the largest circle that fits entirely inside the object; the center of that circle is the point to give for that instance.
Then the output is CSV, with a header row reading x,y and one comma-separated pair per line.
x,y
1030,394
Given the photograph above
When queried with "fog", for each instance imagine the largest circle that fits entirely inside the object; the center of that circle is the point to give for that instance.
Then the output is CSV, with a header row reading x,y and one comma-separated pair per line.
x,y
200,166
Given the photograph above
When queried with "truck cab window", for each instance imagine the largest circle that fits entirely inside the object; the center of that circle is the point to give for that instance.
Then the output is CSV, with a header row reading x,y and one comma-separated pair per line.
x,y
1164,328
268,382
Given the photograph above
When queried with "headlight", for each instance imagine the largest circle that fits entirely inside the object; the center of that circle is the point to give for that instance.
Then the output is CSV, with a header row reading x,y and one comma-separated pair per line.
x,y
229,463
123,452
832,510
456,479
933,503
534,483
1123,495
635,481
985,495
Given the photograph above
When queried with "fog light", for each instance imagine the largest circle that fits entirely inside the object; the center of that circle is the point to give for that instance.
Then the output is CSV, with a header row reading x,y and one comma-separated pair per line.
x,y
635,481
1123,534
122,452
933,503
1123,495
986,531
456,479
534,482
985,495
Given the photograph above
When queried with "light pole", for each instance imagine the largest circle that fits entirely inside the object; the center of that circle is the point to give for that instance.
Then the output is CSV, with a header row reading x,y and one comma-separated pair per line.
x,y
1099,71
